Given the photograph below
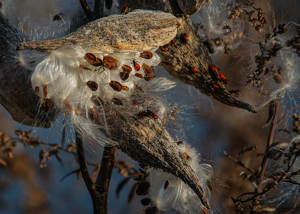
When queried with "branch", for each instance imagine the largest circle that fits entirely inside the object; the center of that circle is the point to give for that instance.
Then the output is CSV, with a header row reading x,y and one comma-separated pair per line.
x,y
87,10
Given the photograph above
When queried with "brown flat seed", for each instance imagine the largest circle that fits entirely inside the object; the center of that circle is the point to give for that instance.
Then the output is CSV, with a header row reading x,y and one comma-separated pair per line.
x,y
36,90
277,78
68,104
146,54
110,59
125,88
124,75
77,112
97,100
117,101
17,64
146,201
186,156
93,114
84,67
45,92
139,75
115,85
47,105
147,69
204,211
92,59
126,68
92,85
143,188
166,184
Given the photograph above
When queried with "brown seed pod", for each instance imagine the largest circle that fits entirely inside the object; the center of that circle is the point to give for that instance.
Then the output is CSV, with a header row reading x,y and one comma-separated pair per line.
x,y
93,114
124,75
115,85
147,69
146,54
117,101
97,100
186,156
97,35
92,85
139,75
146,201
92,59
45,92
143,188
47,105
277,78
125,88
84,67
68,104
36,90
166,185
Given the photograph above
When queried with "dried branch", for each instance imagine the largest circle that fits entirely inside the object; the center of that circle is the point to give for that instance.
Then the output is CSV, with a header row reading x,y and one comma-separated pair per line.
x,y
242,164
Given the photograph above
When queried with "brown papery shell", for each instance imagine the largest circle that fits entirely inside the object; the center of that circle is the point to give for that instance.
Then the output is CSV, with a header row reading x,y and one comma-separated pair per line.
x,y
146,54
141,140
114,33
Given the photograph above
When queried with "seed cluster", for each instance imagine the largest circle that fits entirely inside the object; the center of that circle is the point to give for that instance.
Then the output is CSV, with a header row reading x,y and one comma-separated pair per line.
x,y
84,83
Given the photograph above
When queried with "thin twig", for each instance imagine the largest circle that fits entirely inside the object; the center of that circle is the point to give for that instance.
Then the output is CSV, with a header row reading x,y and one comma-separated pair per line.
x,y
87,10
260,175
103,179
98,8
238,162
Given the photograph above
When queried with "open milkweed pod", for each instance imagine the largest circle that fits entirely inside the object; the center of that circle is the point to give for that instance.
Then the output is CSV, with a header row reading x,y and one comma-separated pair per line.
x,y
143,139
115,33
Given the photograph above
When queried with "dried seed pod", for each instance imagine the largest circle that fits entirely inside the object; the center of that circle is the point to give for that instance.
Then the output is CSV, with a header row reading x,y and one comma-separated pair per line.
x,y
139,75
146,201
277,78
68,104
97,35
47,105
36,90
116,85
146,54
84,67
117,101
147,69
92,59
97,100
92,85
125,88
93,114
45,92
143,188
124,75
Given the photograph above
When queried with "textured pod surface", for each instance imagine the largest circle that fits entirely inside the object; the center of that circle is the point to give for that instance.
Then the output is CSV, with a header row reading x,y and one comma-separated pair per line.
x,y
137,31
147,142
